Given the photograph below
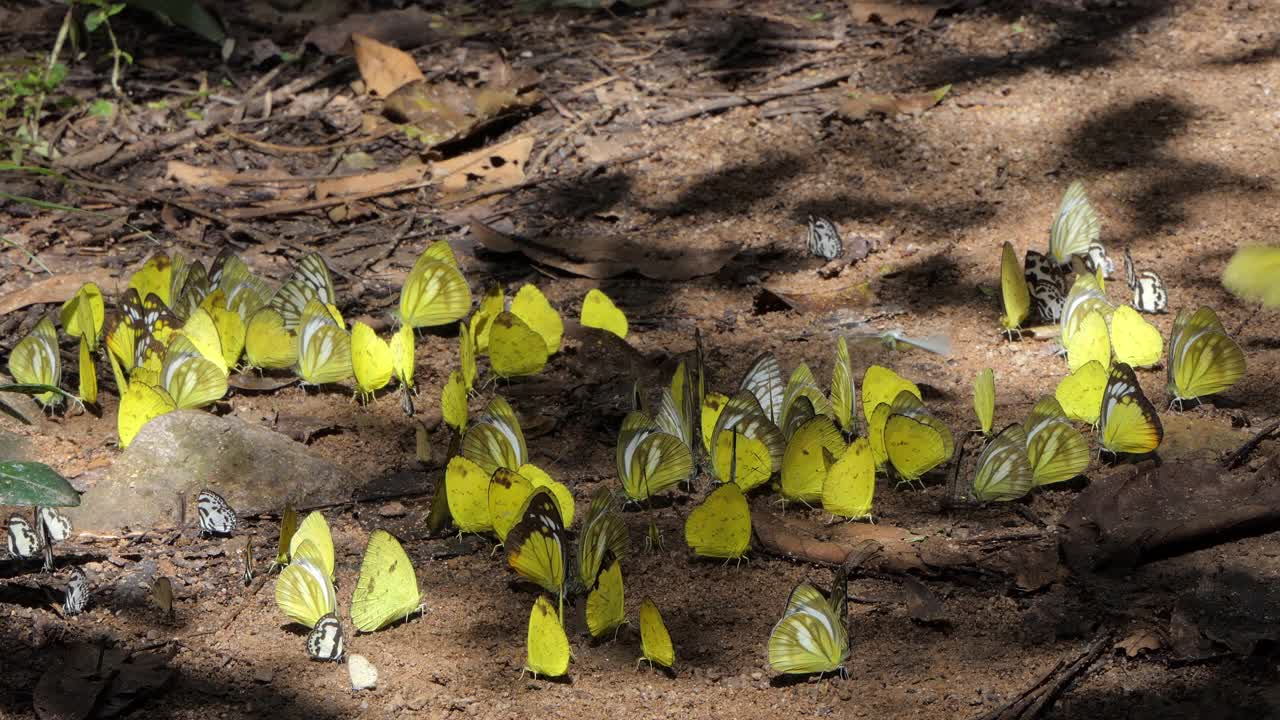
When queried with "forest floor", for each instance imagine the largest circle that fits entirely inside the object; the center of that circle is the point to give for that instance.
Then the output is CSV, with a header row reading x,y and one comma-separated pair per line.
x,y
1168,111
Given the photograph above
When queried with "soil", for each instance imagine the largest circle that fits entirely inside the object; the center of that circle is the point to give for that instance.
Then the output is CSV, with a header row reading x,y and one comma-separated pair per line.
x,y
1168,111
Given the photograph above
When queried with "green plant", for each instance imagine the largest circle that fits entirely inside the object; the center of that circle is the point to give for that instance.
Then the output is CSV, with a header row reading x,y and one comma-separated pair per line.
x,y
32,483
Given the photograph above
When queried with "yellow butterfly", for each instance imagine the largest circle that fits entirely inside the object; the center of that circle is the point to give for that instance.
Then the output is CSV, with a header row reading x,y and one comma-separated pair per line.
x,y
882,385
547,645
712,405
202,331
851,482
1075,226
801,400
598,311
402,357
35,360
1128,422
154,277
655,641
371,360
1013,291
495,440
515,349
540,479
268,344
467,491
1136,342
915,441
435,292
453,402
805,464
467,356
676,409
1203,359
315,530
603,535
1086,295
309,281
1004,472
491,305
531,306
288,528
190,378
304,591
875,434
324,347
1080,393
764,381
78,324
1251,273
721,526
843,390
648,460
246,292
508,492
812,636
140,404
88,374
984,399
388,587
605,610
743,414
1056,450
741,460
1090,342
228,324
537,546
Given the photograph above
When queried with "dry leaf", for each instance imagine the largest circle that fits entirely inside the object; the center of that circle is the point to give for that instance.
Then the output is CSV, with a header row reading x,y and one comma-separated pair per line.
x,y
892,13
857,106
435,113
370,182
1140,641
483,171
55,289
198,178
383,68
923,606
408,28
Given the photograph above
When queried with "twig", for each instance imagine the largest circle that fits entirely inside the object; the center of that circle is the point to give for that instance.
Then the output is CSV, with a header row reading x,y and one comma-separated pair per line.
x,y
753,98
1239,456
1035,700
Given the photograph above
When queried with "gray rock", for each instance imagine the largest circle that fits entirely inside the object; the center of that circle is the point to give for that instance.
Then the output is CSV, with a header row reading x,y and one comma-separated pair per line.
x,y
255,469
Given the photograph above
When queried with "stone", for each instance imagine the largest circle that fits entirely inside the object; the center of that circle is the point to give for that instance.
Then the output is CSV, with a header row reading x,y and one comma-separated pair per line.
x,y
254,469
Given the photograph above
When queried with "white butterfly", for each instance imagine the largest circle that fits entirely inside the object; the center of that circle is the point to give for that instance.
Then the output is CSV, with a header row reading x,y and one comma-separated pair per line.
x,y
216,516
1045,283
77,596
23,541
1149,293
1097,257
325,640
1075,227
824,239
54,527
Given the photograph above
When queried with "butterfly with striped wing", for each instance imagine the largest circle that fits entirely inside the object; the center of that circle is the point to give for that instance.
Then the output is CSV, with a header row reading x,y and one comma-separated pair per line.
x,y
216,516
325,641
77,594
824,239
1149,292
1046,284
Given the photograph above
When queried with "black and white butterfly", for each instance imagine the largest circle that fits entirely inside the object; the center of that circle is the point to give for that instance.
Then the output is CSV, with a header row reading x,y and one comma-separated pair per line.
x,y
77,596
324,642
250,566
1097,258
54,527
1045,282
23,541
824,239
1149,293
216,516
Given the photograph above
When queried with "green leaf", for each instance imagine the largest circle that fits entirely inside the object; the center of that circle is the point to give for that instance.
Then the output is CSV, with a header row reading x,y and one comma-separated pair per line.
x,y
34,389
12,412
115,9
94,20
102,108
190,14
33,483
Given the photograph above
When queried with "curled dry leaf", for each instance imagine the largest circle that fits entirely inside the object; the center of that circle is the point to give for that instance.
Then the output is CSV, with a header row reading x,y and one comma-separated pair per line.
x,y
435,113
1140,641
370,182
408,28
383,68
484,171
858,106
892,13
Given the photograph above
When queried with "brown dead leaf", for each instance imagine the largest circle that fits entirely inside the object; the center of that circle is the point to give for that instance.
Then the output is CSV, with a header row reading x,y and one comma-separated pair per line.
x,y
55,289
408,28
370,182
484,171
435,113
198,178
1140,641
892,13
94,155
858,106
383,67
923,606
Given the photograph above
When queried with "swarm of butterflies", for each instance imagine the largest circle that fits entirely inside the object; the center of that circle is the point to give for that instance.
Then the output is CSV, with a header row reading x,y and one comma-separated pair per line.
x,y
180,328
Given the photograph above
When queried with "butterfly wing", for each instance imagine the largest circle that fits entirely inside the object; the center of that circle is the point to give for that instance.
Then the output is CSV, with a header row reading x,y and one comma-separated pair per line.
x,y
268,344
215,515
1045,284
984,399
843,391
508,491
1135,341
655,641
913,447
325,641
139,405
882,385
809,638
315,530
388,587
1203,359
1055,449
516,349
371,360
599,311
1128,420
851,482
804,466
434,293
1075,226
1090,342
1013,290
537,547
304,591
1004,472
764,381
467,492
605,608
1251,273
547,645
721,526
